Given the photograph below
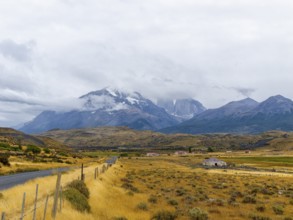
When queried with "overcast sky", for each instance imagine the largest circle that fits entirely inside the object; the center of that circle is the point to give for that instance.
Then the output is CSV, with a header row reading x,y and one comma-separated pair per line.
x,y
53,51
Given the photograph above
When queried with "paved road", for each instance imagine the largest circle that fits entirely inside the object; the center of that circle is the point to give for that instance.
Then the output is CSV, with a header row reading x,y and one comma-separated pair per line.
x,y
20,178
111,160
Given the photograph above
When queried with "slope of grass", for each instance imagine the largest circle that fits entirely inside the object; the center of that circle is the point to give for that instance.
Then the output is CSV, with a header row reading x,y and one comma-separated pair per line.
x,y
104,137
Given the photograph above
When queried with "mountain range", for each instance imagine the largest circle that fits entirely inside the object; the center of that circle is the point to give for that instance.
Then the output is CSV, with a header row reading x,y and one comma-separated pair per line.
x,y
111,107
106,107
244,116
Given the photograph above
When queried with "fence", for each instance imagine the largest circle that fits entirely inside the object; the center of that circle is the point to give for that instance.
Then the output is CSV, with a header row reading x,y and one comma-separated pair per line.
x,y
57,198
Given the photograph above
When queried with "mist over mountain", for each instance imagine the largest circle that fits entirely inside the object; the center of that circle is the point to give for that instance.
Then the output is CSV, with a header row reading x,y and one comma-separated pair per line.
x,y
244,116
182,109
113,107
106,107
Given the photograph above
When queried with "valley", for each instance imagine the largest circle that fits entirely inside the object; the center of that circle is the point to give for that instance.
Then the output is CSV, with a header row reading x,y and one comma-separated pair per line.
x,y
157,176
173,187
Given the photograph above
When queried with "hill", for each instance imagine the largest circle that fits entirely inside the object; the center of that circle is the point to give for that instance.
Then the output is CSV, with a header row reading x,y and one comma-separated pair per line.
x,y
13,137
123,137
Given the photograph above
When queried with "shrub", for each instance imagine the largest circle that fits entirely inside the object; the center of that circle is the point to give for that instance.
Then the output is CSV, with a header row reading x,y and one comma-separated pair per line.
x,y
5,146
257,217
4,159
278,209
180,192
33,149
77,200
152,199
80,186
260,208
249,199
142,206
47,150
172,202
120,218
63,154
164,215
198,214
129,186
1,196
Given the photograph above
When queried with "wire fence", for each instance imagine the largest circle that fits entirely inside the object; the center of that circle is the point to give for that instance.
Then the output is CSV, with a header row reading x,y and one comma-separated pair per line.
x,y
57,200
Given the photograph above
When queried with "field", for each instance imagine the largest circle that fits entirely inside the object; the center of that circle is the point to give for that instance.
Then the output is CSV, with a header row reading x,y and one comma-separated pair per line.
x,y
138,188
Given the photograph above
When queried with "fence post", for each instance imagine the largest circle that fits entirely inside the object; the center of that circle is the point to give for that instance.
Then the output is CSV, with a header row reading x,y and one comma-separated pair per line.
x,y
45,210
22,208
36,200
3,216
82,177
60,206
55,204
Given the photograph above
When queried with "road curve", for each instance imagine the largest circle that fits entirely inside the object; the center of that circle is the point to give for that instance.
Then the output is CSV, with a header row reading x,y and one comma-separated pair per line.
x,y
9,181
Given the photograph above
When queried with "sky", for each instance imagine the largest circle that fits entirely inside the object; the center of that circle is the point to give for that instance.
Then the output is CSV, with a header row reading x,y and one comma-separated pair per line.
x,y
54,51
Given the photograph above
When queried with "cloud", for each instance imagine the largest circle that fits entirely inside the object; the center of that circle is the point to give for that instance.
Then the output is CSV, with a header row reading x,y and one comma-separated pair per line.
x,y
247,92
13,50
213,51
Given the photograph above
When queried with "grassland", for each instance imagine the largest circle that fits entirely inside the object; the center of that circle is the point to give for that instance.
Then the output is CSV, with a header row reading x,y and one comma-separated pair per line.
x,y
136,188
123,137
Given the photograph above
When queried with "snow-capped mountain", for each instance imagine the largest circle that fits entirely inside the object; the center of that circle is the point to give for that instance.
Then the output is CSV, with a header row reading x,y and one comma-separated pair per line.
x,y
106,107
183,109
244,116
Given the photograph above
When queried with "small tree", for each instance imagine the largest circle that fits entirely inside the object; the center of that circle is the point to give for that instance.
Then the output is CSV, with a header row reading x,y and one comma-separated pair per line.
x,y
33,149
19,142
210,149
190,150
4,159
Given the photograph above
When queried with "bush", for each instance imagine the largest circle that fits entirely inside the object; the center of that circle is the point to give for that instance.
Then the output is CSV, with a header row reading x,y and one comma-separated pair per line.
x,y
77,200
152,199
257,217
249,199
5,146
47,150
164,215
129,186
33,149
142,206
172,202
4,159
80,186
120,218
278,209
198,214
260,208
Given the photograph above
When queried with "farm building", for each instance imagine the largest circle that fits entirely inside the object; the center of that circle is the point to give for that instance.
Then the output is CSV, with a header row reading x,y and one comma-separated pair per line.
x,y
214,162
181,153
152,154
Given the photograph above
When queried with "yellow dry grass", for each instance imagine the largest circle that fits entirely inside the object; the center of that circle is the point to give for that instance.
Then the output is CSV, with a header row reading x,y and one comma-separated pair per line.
x,y
12,198
162,177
